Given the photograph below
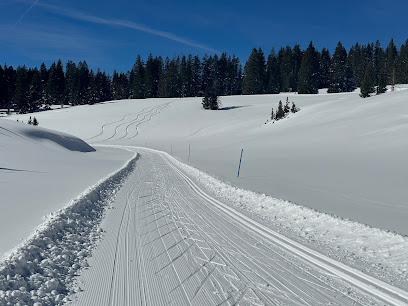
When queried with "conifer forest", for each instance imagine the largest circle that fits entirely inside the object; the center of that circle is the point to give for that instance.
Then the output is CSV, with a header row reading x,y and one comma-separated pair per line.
x,y
370,67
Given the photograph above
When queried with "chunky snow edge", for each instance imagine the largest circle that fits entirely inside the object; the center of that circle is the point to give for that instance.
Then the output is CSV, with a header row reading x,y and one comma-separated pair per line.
x,y
377,252
42,269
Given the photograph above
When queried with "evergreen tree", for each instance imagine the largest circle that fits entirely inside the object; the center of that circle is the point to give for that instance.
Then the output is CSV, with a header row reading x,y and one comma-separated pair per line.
x,y
367,86
10,77
3,101
185,77
286,68
120,86
83,82
297,56
56,83
35,90
379,59
382,82
254,73
280,113
106,90
71,84
286,108
340,74
207,70
222,75
21,104
325,60
152,75
44,82
391,60
294,109
402,65
356,63
309,71
170,82
137,79
92,91
236,85
273,74
210,99
196,77
51,85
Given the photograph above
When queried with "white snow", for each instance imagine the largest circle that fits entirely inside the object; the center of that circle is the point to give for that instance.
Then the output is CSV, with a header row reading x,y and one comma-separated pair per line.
x,y
40,172
340,154
341,159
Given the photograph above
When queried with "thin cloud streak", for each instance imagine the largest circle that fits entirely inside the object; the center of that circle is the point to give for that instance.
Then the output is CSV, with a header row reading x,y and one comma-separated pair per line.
x,y
124,24
26,12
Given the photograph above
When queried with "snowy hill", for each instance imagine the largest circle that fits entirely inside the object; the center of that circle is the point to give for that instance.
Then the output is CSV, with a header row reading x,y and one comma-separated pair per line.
x,y
340,154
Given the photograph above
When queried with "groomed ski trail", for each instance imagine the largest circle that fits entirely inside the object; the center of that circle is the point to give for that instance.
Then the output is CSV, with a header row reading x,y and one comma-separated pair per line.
x,y
166,241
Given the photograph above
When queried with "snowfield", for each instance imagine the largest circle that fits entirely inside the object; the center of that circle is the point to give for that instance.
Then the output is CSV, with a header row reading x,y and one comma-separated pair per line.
x,y
331,177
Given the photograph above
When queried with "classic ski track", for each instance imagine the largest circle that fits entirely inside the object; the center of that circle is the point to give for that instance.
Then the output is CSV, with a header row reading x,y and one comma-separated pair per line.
x,y
144,292
256,259
172,260
213,243
118,237
249,282
193,274
374,287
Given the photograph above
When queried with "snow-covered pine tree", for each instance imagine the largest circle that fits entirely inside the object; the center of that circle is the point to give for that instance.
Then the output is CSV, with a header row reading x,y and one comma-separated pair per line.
x,y
294,109
308,76
382,83
286,109
367,86
210,100
280,113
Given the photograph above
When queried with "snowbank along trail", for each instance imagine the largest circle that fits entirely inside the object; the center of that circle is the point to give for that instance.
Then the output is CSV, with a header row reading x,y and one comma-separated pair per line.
x,y
43,268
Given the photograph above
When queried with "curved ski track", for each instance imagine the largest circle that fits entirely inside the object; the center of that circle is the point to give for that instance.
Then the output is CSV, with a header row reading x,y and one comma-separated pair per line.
x,y
125,126
168,242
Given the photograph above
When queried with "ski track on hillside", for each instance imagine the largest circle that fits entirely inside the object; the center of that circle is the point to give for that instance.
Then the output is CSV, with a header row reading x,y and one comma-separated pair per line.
x,y
166,242
148,113
117,121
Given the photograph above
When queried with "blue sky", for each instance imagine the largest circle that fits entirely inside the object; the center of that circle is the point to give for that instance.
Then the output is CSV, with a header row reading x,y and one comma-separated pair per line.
x,y
110,34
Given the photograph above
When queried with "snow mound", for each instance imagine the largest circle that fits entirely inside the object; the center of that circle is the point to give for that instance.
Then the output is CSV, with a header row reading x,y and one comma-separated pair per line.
x,y
43,269
44,136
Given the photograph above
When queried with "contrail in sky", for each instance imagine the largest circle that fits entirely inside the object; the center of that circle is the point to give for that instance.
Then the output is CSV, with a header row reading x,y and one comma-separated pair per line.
x,y
124,24
25,13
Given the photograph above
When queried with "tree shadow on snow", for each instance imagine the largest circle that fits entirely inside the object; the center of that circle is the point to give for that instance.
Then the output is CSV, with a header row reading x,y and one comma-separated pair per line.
x,y
19,170
233,107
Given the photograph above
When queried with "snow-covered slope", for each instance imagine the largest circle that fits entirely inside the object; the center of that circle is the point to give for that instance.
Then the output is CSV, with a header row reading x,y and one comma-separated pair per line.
x,y
40,172
340,154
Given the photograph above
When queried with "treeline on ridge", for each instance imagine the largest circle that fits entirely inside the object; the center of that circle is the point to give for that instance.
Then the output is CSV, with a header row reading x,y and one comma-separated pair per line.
x,y
289,69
